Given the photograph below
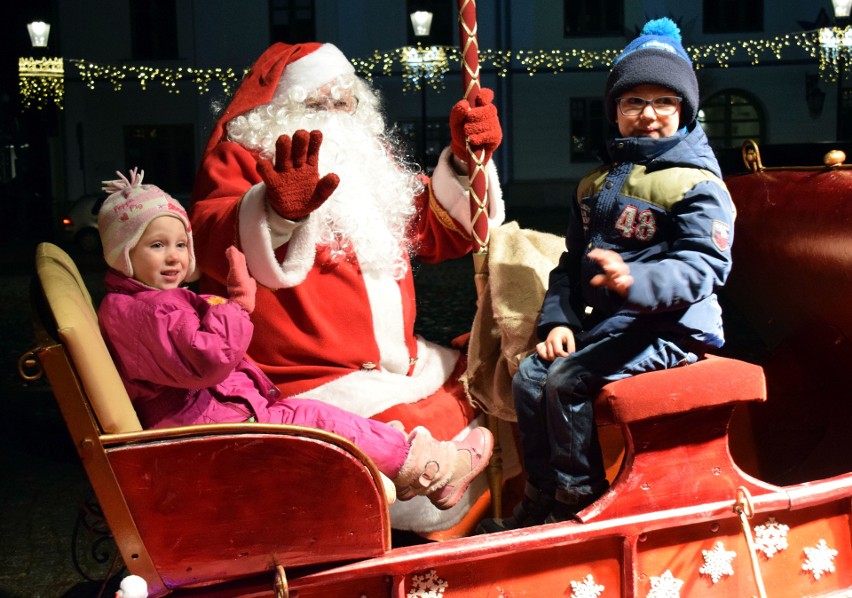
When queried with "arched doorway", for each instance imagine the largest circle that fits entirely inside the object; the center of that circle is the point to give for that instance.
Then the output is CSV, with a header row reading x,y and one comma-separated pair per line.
x,y
731,116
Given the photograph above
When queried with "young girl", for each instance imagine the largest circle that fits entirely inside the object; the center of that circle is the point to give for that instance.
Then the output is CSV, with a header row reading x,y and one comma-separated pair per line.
x,y
181,355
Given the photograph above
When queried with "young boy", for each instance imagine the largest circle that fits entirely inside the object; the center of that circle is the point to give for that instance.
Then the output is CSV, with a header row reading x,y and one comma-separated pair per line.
x,y
181,355
648,244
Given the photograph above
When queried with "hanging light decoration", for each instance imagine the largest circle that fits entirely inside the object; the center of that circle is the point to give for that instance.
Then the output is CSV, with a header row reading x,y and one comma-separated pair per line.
x,y
40,86
41,81
835,43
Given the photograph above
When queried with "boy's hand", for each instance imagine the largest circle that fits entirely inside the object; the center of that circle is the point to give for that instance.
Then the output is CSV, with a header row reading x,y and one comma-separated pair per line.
x,y
294,188
241,286
616,274
559,343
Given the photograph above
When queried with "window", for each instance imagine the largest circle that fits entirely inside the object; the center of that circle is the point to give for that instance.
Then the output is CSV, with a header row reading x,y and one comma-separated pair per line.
x,y
167,153
425,151
733,16
844,116
153,29
293,21
593,17
589,128
730,117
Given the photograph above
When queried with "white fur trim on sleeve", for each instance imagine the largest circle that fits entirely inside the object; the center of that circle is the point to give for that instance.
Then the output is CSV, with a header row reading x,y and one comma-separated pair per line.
x,y
451,191
259,243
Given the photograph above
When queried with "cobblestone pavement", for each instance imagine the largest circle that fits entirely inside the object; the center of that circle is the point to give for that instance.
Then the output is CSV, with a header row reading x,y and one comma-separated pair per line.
x,y
43,483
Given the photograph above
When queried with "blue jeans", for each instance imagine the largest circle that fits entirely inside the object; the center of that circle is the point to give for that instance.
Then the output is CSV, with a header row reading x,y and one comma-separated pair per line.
x,y
554,400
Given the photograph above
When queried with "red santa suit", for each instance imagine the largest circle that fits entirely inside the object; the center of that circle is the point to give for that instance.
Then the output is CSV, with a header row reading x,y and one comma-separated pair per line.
x,y
325,327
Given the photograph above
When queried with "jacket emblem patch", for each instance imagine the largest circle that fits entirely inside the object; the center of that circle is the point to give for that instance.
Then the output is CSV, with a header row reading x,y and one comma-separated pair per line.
x,y
721,235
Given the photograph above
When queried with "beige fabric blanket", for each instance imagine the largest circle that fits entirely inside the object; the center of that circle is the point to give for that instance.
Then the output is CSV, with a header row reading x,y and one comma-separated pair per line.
x,y
503,332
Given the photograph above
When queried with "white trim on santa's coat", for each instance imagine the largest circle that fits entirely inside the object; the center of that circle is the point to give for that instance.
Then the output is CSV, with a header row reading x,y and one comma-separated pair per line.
x,y
388,320
368,392
451,191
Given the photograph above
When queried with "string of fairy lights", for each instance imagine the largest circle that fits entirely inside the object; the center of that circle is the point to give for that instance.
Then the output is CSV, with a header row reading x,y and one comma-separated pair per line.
x,y
41,81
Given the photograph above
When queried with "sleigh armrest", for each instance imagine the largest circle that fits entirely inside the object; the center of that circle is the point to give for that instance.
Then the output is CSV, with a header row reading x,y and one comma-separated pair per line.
x,y
710,382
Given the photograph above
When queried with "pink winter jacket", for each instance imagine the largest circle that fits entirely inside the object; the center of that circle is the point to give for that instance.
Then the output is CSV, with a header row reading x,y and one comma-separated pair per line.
x,y
181,355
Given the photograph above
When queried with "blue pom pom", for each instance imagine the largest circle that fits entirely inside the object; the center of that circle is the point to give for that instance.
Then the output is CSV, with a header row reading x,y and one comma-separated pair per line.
x,y
663,27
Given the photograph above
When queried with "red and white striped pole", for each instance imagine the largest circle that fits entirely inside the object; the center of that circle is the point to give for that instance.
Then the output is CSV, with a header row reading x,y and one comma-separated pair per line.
x,y
479,217
475,165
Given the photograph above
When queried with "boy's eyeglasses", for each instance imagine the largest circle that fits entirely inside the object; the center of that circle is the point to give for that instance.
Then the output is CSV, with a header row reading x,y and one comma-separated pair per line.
x,y
663,105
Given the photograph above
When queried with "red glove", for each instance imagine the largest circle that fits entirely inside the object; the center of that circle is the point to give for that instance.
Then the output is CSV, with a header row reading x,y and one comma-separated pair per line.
x,y
293,186
241,286
480,124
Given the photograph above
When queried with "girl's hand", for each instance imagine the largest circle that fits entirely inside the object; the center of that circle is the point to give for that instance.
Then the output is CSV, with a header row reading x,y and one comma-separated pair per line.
x,y
241,286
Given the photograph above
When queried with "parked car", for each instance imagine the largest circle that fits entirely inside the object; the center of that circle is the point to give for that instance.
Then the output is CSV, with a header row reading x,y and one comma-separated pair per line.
x,y
80,223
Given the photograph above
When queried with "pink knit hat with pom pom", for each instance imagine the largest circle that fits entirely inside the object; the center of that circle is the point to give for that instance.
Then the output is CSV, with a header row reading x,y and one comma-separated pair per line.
x,y
126,213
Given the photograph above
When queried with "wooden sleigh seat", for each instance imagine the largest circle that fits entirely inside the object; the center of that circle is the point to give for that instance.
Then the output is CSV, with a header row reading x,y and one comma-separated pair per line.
x,y
200,505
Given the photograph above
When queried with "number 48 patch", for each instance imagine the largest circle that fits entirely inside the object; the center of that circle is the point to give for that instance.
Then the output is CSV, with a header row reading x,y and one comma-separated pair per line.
x,y
633,223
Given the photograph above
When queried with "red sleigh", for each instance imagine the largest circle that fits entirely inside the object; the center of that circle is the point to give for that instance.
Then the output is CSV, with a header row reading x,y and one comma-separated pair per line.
x,y
254,510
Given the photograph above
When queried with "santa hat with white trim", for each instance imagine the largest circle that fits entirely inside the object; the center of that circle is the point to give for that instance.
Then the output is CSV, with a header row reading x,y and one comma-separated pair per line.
x,y
282,66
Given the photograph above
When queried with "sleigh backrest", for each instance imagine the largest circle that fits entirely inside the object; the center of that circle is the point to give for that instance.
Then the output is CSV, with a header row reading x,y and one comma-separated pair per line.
x,y
75,324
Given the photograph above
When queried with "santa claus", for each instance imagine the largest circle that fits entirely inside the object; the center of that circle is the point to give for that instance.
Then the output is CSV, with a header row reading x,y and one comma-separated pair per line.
x,y
302,174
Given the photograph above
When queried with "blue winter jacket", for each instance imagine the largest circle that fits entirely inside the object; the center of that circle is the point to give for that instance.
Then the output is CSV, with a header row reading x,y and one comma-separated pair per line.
x,y
662,205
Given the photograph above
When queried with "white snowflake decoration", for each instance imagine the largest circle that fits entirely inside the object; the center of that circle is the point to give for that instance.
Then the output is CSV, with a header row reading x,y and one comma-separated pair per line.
x,y
717,562
665,586
820,559
771,537
428,585
586,588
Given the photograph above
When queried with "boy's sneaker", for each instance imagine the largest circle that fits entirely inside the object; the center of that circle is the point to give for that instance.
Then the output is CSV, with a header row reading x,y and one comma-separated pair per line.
x,y
533,510
567,505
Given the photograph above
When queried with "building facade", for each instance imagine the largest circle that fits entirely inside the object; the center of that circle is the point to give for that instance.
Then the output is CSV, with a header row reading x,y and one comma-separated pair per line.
x,y
552,112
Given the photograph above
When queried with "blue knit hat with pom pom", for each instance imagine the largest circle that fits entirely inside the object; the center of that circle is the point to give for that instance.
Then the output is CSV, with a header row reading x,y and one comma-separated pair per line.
x,y
655,57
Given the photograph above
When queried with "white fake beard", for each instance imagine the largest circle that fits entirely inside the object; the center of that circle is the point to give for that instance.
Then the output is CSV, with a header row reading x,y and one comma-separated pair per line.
x,y
370,211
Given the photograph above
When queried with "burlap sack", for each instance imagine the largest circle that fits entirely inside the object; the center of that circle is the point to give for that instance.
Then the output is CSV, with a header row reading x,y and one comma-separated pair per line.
x,y
503,332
